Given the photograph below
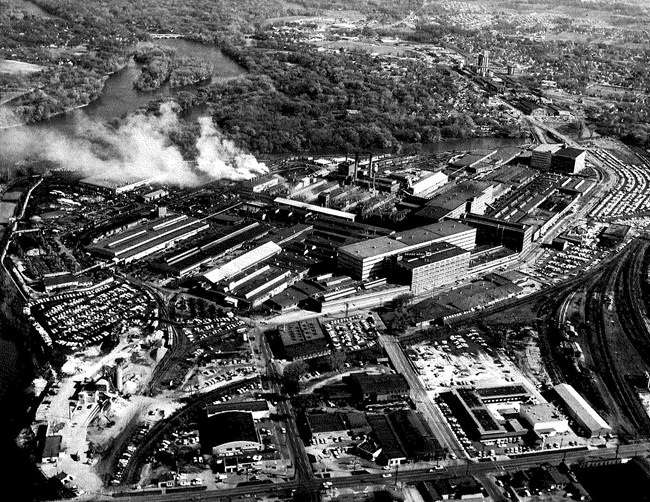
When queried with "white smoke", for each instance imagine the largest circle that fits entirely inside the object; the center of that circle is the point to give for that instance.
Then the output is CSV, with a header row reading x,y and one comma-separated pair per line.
x,y
220,158
138,149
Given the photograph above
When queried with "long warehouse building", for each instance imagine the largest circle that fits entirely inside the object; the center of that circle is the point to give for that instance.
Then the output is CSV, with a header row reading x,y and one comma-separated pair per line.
x,y
146,239
581,411
365,259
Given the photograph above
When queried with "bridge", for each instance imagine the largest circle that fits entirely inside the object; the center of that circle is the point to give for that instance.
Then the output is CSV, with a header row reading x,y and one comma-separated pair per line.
x,y
157,36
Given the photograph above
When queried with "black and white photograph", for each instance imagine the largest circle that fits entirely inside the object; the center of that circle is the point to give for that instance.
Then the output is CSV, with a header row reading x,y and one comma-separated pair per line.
x,y
325,250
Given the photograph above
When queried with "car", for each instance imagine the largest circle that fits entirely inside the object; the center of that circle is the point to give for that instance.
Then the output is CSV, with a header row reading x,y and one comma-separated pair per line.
x,y
386,475
89,406
436,468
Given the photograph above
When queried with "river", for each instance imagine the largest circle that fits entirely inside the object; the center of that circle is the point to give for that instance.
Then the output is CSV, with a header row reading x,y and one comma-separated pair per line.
x,y
119,97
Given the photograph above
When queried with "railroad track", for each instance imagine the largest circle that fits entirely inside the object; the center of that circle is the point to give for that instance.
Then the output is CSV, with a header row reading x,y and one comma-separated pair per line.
x,y
158,431
609,370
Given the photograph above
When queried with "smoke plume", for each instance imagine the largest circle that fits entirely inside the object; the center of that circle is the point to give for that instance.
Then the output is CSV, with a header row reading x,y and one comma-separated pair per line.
x,y
138,149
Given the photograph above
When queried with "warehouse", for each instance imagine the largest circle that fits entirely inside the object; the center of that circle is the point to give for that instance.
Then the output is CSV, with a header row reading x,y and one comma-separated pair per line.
x,y
568,160
148,238
381,388
228,433
466,197
315,209
365,259
497,232
581,411
243,262
303,340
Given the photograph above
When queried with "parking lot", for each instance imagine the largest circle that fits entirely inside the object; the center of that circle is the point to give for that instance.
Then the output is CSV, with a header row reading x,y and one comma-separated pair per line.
x,y
461,359
352,333
80,319
630,194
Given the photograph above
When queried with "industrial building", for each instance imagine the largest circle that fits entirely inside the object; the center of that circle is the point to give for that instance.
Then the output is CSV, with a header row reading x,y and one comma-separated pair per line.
x,y
314,209
243,262
581,411
542,156
498,232
431,267
470,406
613,235
422,182
568,160
190,259
261,183
115,186
544,418
229,433
148,238
385,387
465,197
303,340
402,436
366,259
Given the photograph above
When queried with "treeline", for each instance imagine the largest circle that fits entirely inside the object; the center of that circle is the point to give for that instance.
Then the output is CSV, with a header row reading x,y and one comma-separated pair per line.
x,y
299,99
163,64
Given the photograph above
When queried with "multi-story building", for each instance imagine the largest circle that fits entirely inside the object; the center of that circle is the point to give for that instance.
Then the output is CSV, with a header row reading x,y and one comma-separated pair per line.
x,y
367,259
431,267
568,160
497,232
542,155
465,197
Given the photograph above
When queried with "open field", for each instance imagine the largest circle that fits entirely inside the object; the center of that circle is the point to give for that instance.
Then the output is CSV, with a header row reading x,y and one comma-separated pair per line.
x,y
18,67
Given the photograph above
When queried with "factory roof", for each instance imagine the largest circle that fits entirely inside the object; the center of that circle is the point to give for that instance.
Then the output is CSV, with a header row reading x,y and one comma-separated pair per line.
x,y
547,147
581,408
434,252
242,262
569,153
542,413
317,209
228,427
258,405
404,240
379,384
52,446
459,194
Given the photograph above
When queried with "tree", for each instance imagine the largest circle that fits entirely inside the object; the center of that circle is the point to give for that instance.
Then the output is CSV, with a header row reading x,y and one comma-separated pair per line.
x,y
337,360
291,376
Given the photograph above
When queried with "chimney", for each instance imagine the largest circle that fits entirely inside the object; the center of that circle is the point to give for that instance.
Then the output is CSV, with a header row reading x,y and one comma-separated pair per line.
x,y
356,166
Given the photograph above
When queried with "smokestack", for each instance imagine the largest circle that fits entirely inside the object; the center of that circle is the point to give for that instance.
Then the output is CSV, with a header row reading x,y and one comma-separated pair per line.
x,y
119,378
356,166
373,173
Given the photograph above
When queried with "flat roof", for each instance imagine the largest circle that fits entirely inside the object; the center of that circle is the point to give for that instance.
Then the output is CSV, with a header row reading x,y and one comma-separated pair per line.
x,y
317,209
437,251
405,239
583,410
547,147
459,194
569,153
542,412
243,262
228,427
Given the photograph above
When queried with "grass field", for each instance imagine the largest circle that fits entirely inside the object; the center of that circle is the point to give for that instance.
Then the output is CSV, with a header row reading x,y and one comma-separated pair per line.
x,y
18,67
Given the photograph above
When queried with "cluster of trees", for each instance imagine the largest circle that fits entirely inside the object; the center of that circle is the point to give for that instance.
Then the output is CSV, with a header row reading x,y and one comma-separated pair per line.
x,y
299,99
163,64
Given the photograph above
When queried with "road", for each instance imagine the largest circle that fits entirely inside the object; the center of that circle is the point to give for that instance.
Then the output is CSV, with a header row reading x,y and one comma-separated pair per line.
x,y
420,397
478,469
303,471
